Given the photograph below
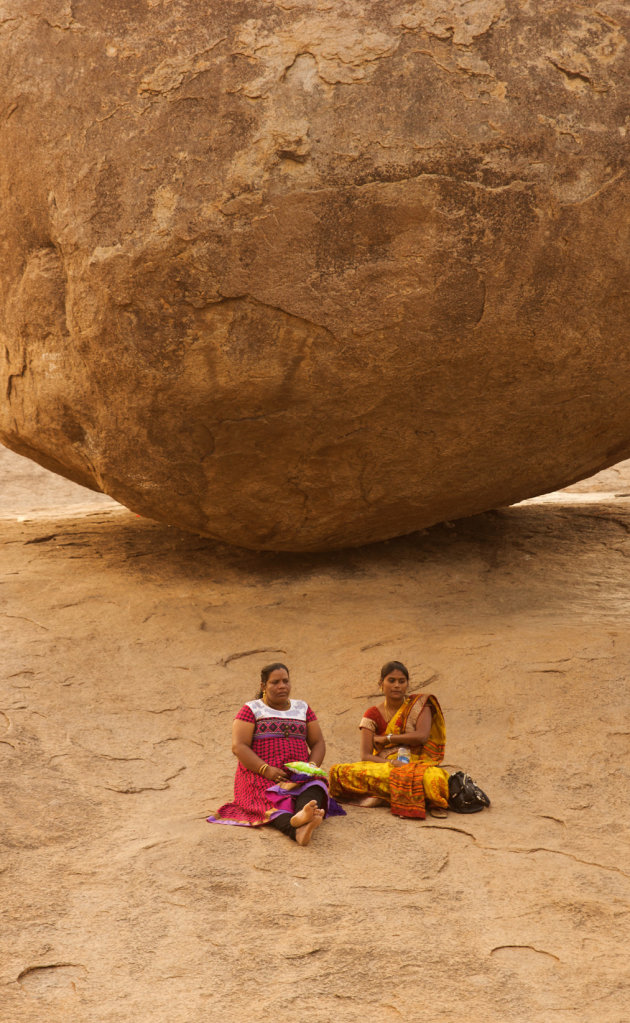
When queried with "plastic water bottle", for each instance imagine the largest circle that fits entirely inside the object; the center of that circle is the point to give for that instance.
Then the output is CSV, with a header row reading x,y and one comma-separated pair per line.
x,y
403,756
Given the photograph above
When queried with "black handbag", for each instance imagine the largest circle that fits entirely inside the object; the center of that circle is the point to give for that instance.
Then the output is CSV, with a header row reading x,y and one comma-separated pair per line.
x,y
464,796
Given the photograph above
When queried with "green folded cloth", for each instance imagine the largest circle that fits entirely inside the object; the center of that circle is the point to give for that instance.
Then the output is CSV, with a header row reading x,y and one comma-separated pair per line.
x,y
301,767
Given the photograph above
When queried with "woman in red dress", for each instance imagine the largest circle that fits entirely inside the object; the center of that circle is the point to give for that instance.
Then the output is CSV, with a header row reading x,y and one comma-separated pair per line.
x,y
268,733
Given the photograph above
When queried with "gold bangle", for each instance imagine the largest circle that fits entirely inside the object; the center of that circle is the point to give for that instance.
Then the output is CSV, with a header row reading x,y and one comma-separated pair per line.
x,y
262,769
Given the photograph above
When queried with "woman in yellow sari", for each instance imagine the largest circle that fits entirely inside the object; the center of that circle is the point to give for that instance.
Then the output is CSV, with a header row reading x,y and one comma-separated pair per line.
x,y
414,722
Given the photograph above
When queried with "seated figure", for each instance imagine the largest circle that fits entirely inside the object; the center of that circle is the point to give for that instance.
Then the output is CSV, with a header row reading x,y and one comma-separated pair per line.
x,y
416,782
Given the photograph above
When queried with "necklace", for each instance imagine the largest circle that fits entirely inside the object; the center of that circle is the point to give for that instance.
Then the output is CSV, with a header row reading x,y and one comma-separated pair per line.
x,y
389,714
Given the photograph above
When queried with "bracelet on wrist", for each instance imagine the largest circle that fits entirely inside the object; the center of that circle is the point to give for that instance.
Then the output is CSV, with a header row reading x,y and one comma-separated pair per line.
x,y
262,769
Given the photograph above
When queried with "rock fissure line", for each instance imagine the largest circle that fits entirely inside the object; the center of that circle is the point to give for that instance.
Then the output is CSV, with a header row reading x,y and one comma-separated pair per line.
x,y
597,192
530,948
571,73
248,653
48,966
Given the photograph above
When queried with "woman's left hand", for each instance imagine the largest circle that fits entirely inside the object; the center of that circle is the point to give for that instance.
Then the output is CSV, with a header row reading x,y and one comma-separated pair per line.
x,y
380,740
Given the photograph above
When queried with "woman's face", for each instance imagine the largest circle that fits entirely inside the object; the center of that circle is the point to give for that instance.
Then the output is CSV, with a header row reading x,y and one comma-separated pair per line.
x,y
395,685
277,688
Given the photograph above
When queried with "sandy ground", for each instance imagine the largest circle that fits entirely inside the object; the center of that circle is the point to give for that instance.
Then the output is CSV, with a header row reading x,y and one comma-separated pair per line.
x,y
126,648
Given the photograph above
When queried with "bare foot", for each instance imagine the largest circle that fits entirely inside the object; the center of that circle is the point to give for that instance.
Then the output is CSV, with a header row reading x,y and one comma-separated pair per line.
x,y
304,833
371,801
304,815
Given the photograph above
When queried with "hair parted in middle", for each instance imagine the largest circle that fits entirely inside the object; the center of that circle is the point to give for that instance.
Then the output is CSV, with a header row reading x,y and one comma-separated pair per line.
x,y
265,673
394,666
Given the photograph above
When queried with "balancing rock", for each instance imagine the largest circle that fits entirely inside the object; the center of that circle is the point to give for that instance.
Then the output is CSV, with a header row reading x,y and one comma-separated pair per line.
x,y
313,273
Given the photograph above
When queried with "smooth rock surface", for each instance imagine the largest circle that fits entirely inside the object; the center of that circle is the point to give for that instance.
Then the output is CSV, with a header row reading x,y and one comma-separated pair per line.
x,y
126,648
302,275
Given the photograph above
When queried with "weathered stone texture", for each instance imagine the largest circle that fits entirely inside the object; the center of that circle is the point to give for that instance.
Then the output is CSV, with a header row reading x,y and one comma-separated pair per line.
x,y
310,274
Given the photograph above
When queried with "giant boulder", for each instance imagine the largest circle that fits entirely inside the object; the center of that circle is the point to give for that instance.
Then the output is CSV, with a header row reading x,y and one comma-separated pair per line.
x,y
307,274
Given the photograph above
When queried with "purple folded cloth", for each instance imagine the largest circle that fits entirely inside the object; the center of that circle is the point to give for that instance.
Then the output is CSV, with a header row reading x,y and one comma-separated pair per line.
x,y
285,801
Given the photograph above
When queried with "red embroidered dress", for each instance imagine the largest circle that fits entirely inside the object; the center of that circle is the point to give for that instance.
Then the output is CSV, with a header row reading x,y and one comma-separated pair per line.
x,y
279,738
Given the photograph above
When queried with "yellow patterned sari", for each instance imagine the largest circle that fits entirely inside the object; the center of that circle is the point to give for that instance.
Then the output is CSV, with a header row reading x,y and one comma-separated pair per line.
x,y
405,787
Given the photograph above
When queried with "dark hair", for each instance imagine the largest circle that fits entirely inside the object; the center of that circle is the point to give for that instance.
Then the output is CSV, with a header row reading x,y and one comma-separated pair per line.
x,y
394,666
266,672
